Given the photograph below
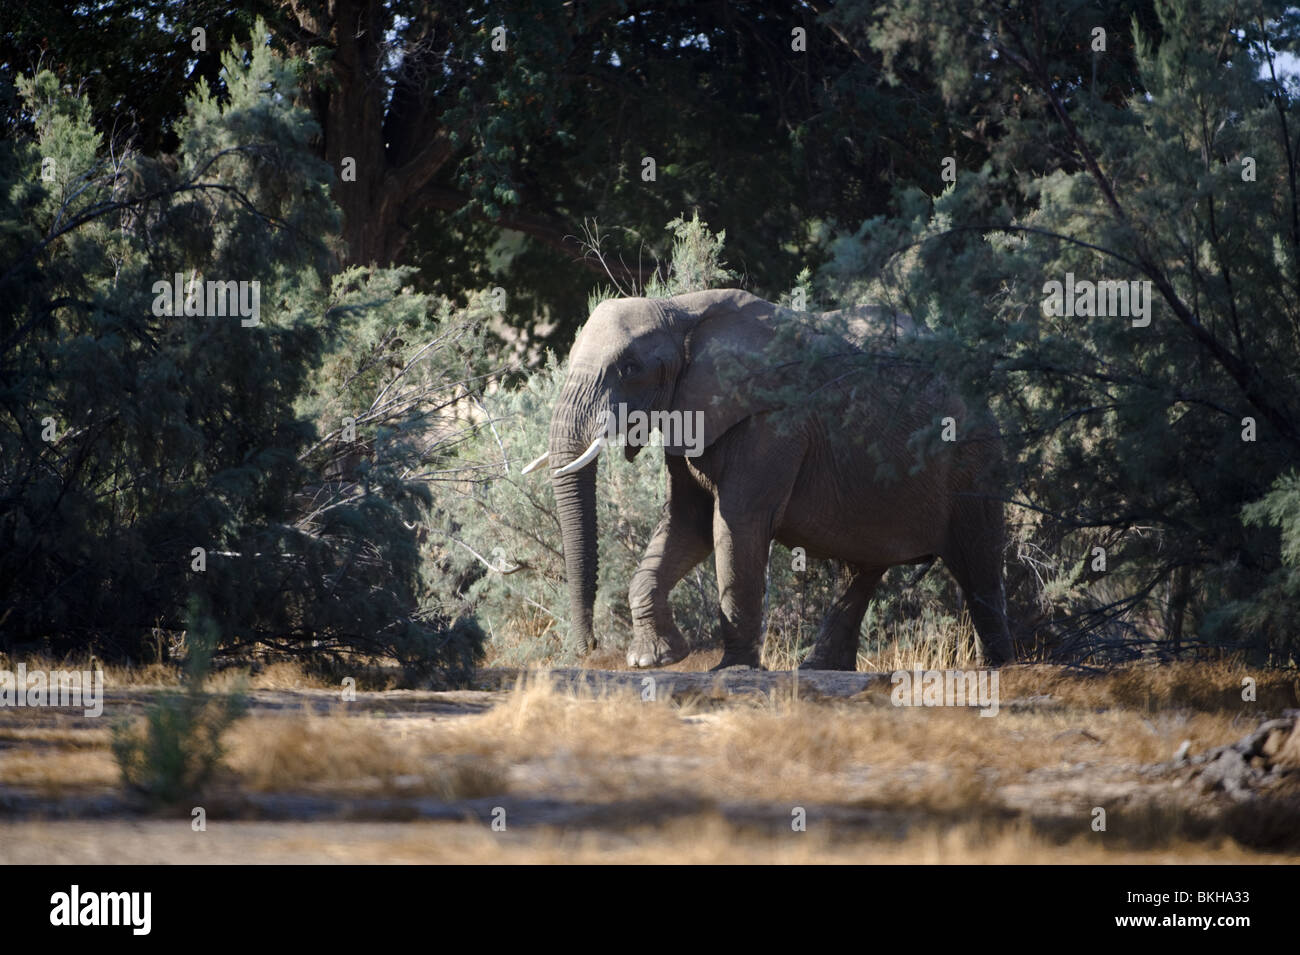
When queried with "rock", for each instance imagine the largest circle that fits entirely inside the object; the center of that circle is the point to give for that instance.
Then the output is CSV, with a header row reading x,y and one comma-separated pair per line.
x,y
1243,766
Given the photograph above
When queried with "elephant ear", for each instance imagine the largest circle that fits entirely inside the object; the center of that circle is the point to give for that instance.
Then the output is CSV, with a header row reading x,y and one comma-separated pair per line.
x,y
726,366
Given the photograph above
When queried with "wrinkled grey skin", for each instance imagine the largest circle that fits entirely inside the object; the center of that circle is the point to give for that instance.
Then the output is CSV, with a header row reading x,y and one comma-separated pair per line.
x,y
828,464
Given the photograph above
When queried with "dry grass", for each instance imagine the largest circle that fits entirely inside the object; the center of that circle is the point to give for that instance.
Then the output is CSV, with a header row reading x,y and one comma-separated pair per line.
x,y
1152,688
1017,787
537,718
528,637
351,754
58,772
280,675
54,753
923,643
700,839
779,748
115,677
918,644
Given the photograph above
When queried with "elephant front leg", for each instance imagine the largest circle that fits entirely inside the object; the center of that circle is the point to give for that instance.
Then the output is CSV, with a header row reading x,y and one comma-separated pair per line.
x,y
741,554
682,539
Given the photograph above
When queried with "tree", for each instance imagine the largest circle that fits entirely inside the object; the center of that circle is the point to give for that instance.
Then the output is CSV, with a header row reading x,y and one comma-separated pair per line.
x,y
1141,427
479,155
160,322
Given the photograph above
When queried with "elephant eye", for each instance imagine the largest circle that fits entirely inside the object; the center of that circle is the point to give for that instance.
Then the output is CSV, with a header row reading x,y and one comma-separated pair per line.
x,y
629,368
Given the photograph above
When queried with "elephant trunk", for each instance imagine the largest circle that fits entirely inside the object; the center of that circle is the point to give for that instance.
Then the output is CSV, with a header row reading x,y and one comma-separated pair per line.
x,y
575,498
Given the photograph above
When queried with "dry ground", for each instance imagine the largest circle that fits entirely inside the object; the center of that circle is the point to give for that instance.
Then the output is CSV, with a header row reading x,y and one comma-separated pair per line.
x,y
580,766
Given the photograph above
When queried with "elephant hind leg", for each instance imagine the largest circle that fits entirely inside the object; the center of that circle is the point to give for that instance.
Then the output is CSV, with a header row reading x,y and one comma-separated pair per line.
x,y
977,568
837,641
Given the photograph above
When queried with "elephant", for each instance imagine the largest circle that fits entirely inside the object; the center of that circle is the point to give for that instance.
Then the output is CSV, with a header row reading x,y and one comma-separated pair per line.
x,y
810,431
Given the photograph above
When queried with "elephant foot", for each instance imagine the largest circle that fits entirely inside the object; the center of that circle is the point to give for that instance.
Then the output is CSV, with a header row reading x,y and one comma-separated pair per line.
x,y
731,660
653,650
829,661
994,656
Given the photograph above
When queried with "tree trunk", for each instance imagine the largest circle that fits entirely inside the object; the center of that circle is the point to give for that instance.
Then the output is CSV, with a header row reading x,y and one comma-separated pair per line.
x,y
399,145
1175,611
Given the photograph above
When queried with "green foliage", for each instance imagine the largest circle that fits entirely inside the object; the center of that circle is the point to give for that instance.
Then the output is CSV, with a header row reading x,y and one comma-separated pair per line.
x,y
132,436
740,127
1280,508
696,261
175,432
1126,438
178,750
136,59
396,396
1269,614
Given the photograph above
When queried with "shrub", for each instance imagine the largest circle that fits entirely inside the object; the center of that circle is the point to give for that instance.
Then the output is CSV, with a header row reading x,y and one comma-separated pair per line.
x,y
148,456
178,750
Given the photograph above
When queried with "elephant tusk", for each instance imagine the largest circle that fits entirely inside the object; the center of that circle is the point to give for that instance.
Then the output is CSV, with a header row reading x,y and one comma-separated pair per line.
x,y
580,462
530,468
